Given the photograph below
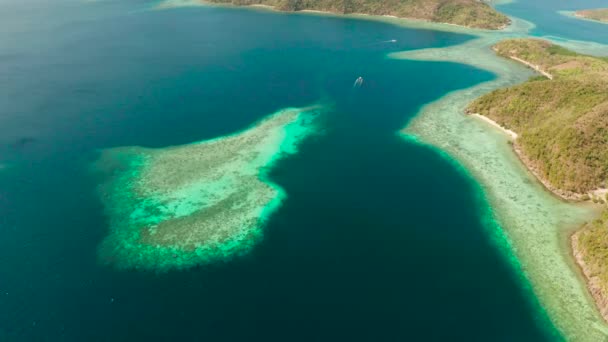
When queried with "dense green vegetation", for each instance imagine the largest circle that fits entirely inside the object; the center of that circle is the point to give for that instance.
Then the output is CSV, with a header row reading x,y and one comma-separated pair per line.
x,y
471,13
599,14
563,135
593,241
593,248
562,123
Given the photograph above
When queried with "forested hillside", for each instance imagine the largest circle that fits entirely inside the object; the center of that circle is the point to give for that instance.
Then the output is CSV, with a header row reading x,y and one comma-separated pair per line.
x,y
471,13
562,122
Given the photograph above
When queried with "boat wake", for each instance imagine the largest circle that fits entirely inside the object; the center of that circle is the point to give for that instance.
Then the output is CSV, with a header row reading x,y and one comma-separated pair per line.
x,y
358,82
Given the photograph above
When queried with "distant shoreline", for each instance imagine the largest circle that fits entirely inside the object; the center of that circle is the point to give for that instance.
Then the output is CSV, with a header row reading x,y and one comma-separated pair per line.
x,y
400,21
580,14
328,12
598,14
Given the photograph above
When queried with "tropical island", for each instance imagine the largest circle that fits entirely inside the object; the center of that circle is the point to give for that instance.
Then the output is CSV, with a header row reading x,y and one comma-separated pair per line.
x,y
598,14
469,13
561,120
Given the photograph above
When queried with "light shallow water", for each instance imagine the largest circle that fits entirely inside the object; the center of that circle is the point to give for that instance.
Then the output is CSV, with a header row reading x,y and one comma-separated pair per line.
x,y
190,205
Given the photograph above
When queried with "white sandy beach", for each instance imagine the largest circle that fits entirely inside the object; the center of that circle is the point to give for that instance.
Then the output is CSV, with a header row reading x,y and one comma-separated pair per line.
x,y
493,123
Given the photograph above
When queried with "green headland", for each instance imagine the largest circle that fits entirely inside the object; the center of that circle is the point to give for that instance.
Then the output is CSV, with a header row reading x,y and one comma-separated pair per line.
x,y
561,119
536,223
598,14
559,116
470,13
183,206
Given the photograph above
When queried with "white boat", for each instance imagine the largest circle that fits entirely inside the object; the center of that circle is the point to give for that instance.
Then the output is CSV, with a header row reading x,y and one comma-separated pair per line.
x,y
358,82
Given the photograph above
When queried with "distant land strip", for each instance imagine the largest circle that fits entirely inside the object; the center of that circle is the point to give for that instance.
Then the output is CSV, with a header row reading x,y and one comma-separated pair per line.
x,y
598,14
469,13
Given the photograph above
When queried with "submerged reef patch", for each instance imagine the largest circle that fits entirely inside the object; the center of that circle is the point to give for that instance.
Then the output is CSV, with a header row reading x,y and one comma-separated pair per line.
x,y
182,206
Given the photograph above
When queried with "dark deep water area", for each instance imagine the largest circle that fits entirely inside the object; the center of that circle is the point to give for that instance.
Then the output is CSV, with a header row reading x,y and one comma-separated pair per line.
x,y
380,239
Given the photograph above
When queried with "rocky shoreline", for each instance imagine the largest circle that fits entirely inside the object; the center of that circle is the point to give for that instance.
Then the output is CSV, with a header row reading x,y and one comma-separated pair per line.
x,y
592,279
599,294
563,194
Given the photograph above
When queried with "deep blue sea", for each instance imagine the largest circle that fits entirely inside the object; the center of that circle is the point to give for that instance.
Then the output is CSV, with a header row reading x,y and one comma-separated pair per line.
x,y
380,239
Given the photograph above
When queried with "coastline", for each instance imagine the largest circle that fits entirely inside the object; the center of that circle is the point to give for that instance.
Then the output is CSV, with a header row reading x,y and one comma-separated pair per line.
x,y
592,281
562,194
493,123
533,66
577,15
167,4
591,195
578,253
533,219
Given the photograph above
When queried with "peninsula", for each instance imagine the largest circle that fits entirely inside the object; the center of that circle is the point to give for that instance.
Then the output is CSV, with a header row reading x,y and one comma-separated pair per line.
x,y
469,13
598,14
561,119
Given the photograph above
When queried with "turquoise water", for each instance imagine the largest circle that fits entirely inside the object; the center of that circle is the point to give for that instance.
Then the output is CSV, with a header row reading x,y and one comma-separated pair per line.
x,y
199,203
549,22
378,239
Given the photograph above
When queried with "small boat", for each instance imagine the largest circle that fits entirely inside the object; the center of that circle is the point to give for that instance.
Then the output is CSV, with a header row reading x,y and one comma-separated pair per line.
x,y
358,82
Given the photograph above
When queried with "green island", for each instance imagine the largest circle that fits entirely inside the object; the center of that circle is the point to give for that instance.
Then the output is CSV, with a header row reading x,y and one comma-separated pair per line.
x,y
183,206
598,14
560,116
469,13
561,120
